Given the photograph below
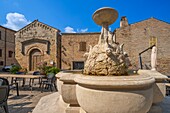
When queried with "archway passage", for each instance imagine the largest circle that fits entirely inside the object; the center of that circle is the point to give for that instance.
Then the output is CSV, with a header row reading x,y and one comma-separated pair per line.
x,y
35,57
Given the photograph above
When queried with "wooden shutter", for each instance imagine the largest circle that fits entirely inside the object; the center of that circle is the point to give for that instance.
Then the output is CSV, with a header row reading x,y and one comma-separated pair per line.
x,y
82,46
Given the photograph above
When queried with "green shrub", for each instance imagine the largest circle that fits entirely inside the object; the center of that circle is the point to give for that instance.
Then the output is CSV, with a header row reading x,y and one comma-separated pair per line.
x,y
15,69
51,69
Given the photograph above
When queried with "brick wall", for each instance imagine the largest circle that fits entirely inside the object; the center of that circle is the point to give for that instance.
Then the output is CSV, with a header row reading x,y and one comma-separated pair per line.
x,y
136,38
7,35
70,50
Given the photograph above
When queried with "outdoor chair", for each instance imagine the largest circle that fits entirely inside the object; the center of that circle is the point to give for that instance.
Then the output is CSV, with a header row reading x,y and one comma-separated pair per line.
x,y
49,82
13,85
19,79
4,93
35,73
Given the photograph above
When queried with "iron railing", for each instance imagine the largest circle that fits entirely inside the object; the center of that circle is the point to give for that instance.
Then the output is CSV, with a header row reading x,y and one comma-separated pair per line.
x,y
140,57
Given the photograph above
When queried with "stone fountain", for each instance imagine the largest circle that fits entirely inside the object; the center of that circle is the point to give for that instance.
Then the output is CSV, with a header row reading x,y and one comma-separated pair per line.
x,y
107,57
105,86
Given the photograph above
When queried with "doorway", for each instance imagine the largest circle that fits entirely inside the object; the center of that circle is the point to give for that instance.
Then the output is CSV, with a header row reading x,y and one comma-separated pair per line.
x,y
35,57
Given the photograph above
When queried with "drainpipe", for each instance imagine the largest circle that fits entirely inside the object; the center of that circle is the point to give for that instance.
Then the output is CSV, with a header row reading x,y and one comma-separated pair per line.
x,y
5,47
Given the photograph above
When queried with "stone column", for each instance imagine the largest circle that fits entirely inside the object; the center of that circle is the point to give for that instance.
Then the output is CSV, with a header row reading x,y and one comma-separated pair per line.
x,y
153,58
105,31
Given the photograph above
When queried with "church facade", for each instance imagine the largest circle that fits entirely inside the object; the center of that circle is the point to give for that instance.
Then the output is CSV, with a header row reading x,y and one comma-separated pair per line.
x,y
37,43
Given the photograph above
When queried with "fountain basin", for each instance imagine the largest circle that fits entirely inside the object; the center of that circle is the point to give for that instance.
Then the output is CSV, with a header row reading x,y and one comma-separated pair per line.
x,y
118,94
159,89
105,15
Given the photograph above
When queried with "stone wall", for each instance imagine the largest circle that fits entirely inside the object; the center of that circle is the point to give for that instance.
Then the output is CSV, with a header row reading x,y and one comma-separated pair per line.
x,y
136,38
70,49
36,36
8,40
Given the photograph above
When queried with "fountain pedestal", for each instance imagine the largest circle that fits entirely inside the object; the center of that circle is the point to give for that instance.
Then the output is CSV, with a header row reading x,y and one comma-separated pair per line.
x,y
67,89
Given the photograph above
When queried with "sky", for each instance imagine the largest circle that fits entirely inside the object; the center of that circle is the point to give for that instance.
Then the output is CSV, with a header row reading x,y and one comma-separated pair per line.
x,y
73,16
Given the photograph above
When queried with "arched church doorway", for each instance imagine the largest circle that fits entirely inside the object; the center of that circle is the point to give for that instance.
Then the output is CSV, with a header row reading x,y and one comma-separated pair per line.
x,y
35,57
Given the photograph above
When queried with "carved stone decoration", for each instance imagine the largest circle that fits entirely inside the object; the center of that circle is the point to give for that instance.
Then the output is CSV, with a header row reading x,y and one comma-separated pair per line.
x,y
27,42
107,57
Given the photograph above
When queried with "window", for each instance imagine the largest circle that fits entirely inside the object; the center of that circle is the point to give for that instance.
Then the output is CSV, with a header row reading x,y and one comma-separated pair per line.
x,y
1,63
78,65
0,35
10,54
0,52
153,41
82,46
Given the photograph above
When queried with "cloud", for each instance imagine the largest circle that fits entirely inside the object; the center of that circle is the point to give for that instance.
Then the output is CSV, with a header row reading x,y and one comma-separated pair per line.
x,y
69,29
16,21
83,30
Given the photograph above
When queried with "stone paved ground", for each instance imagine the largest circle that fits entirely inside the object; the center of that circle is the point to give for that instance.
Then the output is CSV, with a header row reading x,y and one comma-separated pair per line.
x,y
27,100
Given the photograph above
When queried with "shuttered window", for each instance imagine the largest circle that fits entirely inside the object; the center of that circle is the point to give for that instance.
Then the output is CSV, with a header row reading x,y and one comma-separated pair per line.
x,y
78,65
82,46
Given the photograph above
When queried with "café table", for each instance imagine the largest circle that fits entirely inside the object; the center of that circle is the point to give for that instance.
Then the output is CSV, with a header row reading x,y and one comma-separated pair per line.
x,y
31,77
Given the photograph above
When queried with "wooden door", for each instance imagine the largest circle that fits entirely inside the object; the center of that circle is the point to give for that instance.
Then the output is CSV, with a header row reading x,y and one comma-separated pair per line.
x,y
35,58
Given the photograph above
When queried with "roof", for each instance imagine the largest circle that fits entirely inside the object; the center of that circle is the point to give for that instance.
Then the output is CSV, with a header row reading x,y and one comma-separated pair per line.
x,y
39,22
7,28
143,21
80,33
149,19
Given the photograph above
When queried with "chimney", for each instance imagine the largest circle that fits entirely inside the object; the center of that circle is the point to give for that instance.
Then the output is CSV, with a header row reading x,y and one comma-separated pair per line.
x,y
123,22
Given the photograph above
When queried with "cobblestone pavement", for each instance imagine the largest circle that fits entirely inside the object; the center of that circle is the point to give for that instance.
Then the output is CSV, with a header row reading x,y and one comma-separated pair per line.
x,y
26,101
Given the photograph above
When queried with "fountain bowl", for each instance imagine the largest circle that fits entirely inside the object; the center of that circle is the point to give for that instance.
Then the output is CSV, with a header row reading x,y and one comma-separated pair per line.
x,y
105,15
118,94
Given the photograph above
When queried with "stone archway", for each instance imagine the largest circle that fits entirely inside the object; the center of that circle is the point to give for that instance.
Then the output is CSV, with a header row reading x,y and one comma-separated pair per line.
x,y
35,57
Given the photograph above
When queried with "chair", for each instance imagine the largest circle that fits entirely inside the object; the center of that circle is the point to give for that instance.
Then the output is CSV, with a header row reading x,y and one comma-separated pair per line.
x,y
32,79
49,82
19,79
36,73
11,85
4,93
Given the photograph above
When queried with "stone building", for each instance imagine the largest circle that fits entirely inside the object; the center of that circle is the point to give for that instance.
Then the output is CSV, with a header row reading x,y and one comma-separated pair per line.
x,y
36,43
136,38
7,46
74,46
140,36
39,42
